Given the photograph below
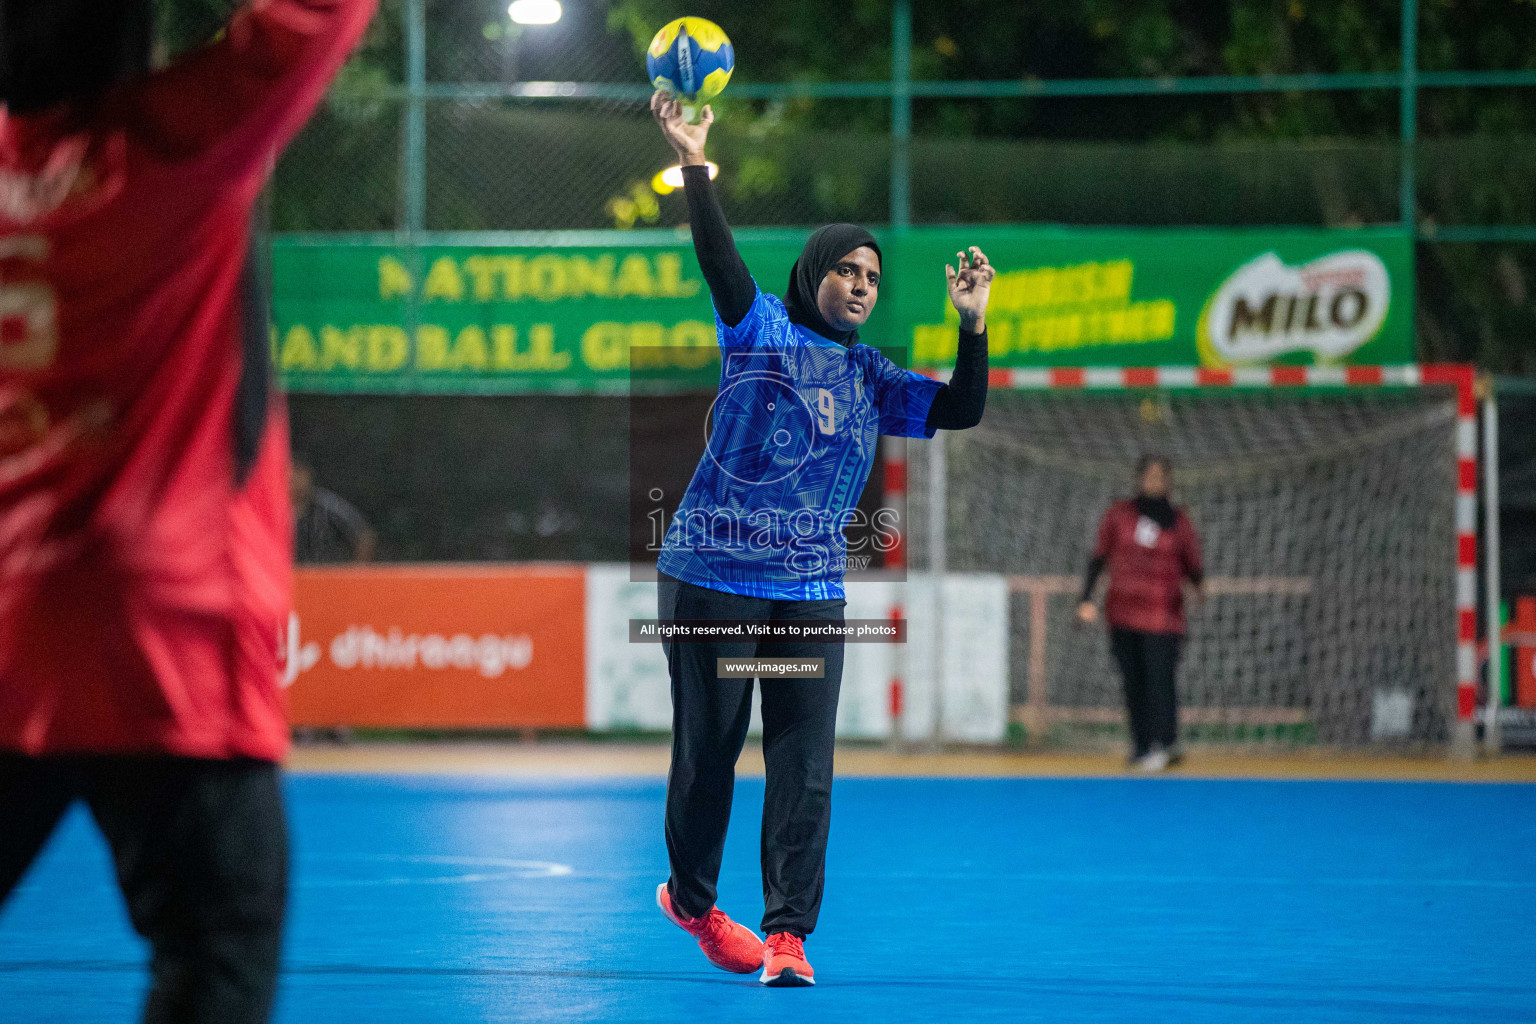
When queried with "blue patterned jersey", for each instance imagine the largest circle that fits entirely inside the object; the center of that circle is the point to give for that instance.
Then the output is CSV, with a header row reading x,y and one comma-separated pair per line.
x,y
793,434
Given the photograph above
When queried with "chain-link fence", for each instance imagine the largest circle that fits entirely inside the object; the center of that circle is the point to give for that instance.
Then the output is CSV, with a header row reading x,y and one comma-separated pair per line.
x,y
537,128
1327,523
521,164
451,118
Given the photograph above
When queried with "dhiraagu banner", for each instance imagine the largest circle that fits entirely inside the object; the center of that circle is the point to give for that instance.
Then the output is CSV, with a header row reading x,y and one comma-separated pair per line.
x,y
564,312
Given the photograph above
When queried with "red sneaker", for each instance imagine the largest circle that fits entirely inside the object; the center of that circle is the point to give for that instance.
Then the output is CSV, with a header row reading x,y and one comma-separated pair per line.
x,y
729,946
784,962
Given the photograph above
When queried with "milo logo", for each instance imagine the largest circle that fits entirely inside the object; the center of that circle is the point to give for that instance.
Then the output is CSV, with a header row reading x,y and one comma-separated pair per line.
x,y
1330,307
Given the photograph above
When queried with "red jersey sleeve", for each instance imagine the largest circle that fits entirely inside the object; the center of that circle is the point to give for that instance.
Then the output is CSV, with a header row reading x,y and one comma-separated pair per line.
x,y
241,99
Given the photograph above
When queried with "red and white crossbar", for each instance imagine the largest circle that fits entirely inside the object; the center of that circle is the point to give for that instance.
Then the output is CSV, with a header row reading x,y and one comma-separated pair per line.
x,y
1119,378
1458,376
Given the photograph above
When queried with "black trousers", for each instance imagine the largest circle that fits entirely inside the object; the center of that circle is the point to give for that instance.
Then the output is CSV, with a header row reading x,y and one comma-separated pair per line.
x,y
201,850
1149,664
710,716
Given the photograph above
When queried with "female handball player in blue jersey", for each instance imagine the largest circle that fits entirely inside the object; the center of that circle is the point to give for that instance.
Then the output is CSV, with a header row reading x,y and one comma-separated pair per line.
x,y
759,536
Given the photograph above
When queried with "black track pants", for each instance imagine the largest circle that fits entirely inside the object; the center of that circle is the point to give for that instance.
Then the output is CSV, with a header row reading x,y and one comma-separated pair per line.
x,y
201,850
1149,663
709,725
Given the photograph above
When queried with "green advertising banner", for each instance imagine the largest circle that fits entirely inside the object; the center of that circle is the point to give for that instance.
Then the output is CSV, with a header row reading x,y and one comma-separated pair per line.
x,y
1077,297
491,319
564,314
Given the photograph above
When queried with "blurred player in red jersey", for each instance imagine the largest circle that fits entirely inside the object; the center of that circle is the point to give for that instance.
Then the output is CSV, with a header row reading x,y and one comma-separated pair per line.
x,y
1151,549
145,542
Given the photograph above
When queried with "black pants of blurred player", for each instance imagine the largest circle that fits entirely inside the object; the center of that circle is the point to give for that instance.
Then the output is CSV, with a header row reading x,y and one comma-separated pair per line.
x,y
1149,663
710,716
201,851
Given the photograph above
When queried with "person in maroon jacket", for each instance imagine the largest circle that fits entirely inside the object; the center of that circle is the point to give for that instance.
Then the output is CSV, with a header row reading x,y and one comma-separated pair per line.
x,y
145,537
1151,550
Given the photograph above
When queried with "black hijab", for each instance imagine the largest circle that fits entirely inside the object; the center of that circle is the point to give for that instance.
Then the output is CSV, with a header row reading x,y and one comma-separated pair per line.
x,y
821,253
1159,510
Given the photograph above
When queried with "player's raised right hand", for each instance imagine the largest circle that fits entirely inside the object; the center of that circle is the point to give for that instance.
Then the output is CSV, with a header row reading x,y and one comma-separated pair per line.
x,y
686,140
1087,613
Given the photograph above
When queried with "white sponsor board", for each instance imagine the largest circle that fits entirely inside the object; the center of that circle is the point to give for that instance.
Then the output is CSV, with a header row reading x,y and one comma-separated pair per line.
x,y
628,687
1329,306
971,652
627,684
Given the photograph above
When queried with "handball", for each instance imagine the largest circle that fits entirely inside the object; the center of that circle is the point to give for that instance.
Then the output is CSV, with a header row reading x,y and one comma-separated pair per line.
x,y
692,59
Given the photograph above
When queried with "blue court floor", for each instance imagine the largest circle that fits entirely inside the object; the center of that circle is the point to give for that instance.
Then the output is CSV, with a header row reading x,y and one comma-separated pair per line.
x,y
452,899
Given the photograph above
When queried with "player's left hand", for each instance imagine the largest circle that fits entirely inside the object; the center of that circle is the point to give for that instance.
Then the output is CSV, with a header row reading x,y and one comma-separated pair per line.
x,y
969,286
686,140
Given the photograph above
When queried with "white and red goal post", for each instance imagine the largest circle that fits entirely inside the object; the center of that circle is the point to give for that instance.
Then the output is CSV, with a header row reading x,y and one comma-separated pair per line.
x,y
1454,378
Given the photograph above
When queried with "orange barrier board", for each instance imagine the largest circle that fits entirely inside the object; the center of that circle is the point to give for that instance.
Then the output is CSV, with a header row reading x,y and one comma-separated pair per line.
x,y
438,647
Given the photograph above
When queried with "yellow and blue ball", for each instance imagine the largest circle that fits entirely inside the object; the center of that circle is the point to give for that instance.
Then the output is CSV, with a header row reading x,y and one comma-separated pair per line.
x,y
692,59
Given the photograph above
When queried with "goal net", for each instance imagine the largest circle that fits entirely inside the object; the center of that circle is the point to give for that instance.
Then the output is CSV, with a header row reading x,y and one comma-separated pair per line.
x,y
1329,520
